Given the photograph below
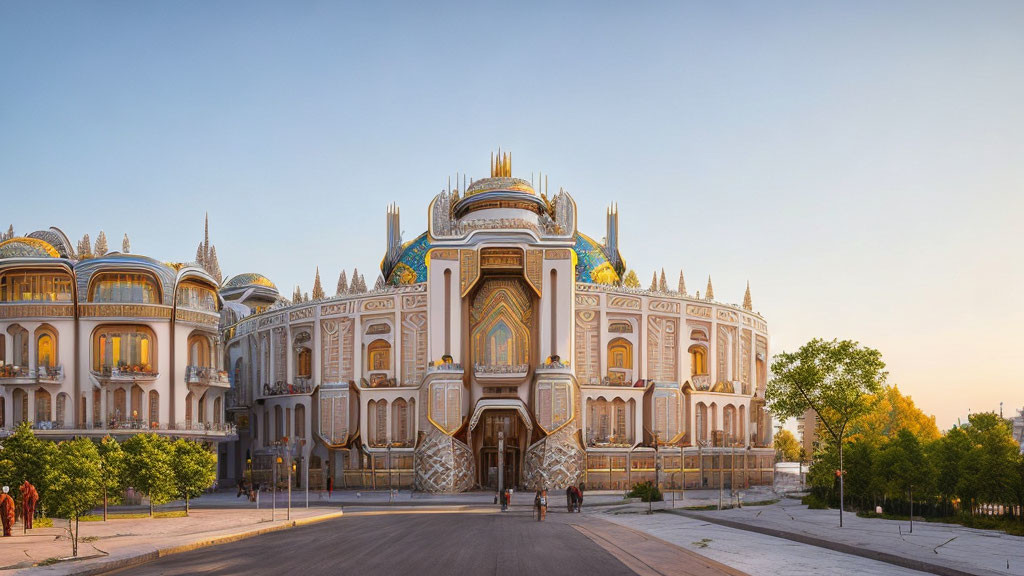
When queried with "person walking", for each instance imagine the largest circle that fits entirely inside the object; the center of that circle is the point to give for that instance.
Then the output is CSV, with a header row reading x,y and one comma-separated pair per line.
x,y
330,486
570,498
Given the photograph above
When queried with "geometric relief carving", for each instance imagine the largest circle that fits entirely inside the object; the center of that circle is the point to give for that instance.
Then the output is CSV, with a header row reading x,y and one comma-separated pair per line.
x,y
745,357
414,347
555,461
586,300
334,410
330,351
280,348
445,405
588,347
443,463
667,415
662,344
627,302
664,306
36,311
725,351
500,317
554,404
534,270
414,301
699,311
378,304
727,315
469,270
346,330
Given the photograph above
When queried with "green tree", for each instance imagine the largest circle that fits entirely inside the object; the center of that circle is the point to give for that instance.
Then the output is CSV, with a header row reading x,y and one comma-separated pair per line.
x,y
114,467
906,468
75,483
148,466
28,457
194,469
988,469
833,378
863,480
786,446
948,455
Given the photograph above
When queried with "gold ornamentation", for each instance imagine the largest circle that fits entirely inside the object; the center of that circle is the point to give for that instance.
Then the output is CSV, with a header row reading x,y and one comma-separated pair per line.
x,y
728,316
196,317
123,311
588,347
500,316
469,270
36,311
587,300
404,274
604,274
444,254
501,258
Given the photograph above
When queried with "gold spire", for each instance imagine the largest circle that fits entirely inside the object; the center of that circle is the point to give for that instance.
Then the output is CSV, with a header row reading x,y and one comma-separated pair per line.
x,y
710,293
746,298
502,166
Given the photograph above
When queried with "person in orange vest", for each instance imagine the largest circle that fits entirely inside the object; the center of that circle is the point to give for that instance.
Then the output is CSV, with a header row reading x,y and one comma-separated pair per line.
x,y
6,511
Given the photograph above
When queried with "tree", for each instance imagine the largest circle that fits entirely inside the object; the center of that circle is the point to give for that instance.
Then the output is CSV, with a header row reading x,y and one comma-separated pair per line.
x,y
126,244
631,281
84,248
113,467
906,468
101,244
833,378
786,446
947,455
194,469
148,466
29,457
988,470
75,483
889,413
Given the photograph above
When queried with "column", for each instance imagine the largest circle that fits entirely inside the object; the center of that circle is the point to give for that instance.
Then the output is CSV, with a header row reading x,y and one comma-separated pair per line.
x,y
103,407
289,354
88,408
317,375
32,353
31,403
9,410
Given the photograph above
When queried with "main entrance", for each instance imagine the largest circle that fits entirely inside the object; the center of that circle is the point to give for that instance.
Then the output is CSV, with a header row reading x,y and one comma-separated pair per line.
x,y
508,422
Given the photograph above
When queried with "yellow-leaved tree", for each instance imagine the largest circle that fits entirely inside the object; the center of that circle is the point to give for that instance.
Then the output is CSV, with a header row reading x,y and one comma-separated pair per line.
x,y
890,413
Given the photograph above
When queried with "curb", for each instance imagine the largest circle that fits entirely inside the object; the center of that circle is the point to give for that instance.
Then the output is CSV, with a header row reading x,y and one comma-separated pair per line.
x,y
887,557
138,559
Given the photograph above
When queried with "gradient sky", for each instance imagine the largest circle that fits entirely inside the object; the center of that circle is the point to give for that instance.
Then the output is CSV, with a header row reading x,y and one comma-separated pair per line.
x,y
861,164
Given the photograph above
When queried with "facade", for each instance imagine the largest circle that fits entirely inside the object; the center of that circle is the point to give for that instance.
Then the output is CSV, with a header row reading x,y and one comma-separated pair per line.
x,y
501,342
117,343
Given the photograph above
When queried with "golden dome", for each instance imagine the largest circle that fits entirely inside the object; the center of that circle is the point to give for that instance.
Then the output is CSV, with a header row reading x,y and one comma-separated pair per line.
x,y
249,279
24,247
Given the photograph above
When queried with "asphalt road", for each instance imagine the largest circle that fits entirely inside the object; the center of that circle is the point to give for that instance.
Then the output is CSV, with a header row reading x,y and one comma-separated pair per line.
x,y
368,543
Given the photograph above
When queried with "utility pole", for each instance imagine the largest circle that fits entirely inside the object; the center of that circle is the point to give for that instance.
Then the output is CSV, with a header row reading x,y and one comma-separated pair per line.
x,y
501,465
721,479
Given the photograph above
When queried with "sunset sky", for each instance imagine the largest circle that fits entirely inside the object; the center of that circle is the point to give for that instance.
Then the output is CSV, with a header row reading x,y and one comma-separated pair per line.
x,y
861,166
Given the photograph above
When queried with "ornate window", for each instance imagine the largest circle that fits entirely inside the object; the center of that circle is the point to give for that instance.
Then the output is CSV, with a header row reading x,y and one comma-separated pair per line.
x,y
124,288
305,364
199,350
28,286
42,405
698,360
196,296
401,422
378,355
608,423
126,347
620,361
46,347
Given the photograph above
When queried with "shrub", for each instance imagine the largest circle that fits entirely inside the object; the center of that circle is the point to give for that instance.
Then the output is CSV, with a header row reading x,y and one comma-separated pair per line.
x,y
814,502
646,492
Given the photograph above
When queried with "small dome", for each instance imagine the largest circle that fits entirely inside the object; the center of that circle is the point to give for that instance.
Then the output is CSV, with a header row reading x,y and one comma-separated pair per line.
x,y
249,279
500,184
25,247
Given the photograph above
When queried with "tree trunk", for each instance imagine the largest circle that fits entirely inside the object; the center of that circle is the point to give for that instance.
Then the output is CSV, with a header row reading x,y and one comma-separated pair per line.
x,y
74,536
841,475
186,504
150,506
104,501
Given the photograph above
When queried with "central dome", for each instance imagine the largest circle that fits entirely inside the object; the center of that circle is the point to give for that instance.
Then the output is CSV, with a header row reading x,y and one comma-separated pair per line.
x,y
500,184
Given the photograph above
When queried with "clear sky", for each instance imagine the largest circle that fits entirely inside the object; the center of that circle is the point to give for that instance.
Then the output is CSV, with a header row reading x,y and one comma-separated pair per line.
x,y
861,164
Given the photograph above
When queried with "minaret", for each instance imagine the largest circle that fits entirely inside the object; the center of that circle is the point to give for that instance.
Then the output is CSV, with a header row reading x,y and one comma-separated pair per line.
x,y
206,237
710,293
611,238
747,305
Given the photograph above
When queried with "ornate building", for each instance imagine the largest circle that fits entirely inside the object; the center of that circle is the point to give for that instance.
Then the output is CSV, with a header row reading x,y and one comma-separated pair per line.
x,y
95,342
500,337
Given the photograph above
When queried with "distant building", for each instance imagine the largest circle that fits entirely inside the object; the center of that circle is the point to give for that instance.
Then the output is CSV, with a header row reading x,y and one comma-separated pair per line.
x,y
1018,428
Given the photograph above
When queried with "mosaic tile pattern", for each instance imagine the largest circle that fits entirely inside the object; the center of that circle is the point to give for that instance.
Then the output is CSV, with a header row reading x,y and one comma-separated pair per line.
x,y
443,463
414,257
589,255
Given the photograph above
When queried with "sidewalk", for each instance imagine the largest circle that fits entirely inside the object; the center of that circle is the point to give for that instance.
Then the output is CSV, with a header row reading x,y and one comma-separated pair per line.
x,y
938,548
118,543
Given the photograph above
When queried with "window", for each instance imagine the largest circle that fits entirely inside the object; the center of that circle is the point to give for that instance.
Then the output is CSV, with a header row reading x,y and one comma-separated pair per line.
x,y
378,354
28,286
42,405
46,348
305,367
620,361
196,297
124,288
124,348
199,350
154,408
698,361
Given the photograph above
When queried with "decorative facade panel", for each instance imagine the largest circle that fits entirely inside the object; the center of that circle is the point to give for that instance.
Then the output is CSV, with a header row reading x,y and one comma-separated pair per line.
x,y
414,347
662,349
588,347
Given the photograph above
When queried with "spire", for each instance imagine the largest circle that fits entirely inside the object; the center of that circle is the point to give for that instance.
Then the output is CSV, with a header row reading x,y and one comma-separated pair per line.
x,y
710,293
611,239
502,165
206,235
318,290
746,298
682,284
654,283
662,284
342,284
126,245
101,244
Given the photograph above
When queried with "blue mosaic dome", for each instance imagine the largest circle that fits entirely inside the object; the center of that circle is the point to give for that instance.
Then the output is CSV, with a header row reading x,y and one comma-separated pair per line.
x,y
412,260
589,256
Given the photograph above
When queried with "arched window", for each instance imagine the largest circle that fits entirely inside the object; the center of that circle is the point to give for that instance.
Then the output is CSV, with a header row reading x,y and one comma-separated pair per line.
x,y
620,361
195,296
154,409
62,409
138,394
19,345
698,360
188,408
378,422
120,287
120,404
729,423
300,421
378,355
202,409
127,348
42,405
29,286
46,347
305,364
608,422
199,350
701,423
400,422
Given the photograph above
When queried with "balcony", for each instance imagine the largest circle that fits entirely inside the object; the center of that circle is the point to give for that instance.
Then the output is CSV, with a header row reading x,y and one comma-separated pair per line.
x,y
195,430
124,374
445,367
301,387
555,366
500,371
206,376
21,375
701,382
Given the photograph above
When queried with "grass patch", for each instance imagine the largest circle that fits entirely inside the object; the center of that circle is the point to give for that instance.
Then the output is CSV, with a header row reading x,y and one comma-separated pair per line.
x,y
132,515
701,508
1007,525
49,561
702,543
42,523
814,503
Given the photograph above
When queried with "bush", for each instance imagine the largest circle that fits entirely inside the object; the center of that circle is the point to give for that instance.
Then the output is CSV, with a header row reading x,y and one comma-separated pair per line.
x,y
646,492
814,502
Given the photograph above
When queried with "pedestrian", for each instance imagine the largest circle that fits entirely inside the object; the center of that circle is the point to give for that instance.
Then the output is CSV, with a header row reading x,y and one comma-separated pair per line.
x,y
29,498
6,511
508,498
330,486
570,500
577,498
